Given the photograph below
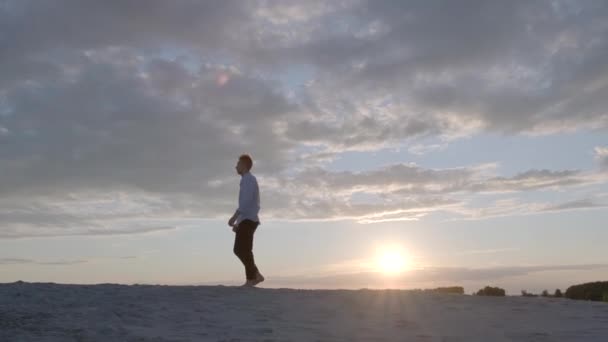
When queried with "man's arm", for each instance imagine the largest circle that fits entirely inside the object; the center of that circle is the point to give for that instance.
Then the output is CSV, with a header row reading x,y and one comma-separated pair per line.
x,y
233,218
245,199
245,195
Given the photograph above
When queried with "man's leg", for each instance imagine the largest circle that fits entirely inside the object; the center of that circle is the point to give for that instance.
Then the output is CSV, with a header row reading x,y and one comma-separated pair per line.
x,y
243,247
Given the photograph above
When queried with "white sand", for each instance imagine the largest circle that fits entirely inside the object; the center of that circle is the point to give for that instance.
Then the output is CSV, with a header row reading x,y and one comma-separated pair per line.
x,y
52,312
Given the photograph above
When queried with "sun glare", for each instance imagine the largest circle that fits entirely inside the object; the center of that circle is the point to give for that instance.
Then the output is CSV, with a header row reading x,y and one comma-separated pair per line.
x,y
392,260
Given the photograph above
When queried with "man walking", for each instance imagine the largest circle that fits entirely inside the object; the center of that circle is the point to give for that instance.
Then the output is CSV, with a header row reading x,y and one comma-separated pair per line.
x,y
245,220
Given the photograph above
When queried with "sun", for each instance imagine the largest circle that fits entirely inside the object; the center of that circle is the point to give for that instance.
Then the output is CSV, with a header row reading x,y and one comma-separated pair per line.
x,y
392,260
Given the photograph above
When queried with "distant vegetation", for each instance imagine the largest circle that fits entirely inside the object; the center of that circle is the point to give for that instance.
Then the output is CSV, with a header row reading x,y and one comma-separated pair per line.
x,y
557,294
451,289
597,291
491,291
525,293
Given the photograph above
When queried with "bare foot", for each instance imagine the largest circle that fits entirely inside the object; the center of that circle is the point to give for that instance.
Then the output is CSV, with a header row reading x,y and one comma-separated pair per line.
x,y
258,278
253,282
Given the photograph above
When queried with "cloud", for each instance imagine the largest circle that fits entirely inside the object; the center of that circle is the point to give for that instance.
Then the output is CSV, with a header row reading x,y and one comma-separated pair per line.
x,y
574,205
85,213
390,72
514,207
419,149
395,71
75,24
601,156
489,251
21,261
106,127
402,192
17,261
94,103
531,180
30,230
399,192
160,135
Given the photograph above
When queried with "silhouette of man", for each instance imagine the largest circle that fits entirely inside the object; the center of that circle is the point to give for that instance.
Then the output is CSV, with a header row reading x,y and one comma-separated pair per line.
x,y
245,220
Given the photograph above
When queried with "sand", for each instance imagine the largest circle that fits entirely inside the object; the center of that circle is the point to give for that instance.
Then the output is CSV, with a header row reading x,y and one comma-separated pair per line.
x,y
107,312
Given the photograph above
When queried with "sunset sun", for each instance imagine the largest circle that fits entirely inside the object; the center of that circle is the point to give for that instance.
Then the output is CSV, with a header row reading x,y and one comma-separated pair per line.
x,y
392,260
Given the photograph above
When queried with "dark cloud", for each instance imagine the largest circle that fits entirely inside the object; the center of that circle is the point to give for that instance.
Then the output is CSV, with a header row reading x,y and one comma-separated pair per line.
x,y
450,68
156,99
109,125
90,24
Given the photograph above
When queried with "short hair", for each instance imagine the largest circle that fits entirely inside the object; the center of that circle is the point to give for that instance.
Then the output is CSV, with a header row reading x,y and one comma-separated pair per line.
x,y
245,158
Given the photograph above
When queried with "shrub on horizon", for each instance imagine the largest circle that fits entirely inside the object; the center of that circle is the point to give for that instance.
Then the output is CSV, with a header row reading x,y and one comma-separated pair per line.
x,y
491,291
450,289
588,291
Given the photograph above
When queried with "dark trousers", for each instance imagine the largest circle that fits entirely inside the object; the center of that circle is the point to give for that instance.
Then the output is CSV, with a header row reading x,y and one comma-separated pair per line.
x,y
243,246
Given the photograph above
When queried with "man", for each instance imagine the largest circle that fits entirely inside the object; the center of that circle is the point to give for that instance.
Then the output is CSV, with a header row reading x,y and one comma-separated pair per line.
x,y
245,220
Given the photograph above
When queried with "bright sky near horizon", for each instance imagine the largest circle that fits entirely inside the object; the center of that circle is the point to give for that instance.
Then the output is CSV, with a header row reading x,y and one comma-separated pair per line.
x,y
396,143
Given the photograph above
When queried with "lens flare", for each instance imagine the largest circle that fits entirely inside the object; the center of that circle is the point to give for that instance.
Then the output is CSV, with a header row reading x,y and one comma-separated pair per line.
x,y
222,79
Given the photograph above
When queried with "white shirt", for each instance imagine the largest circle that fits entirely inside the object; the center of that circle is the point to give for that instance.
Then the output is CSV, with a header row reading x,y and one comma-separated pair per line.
x,y
249,199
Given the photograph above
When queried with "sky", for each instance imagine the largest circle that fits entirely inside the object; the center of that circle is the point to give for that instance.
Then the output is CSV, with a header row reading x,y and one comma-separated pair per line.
x,y
400,144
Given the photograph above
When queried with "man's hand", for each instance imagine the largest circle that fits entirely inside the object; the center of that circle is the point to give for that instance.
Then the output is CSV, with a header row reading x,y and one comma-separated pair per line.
x,y
233,220
235,228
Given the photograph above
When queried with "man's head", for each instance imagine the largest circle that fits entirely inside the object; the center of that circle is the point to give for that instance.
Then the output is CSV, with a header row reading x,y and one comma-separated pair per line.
x,y
244,164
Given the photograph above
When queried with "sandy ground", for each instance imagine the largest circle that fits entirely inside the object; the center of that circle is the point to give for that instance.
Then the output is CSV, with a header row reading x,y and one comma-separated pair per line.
x,y
53,312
